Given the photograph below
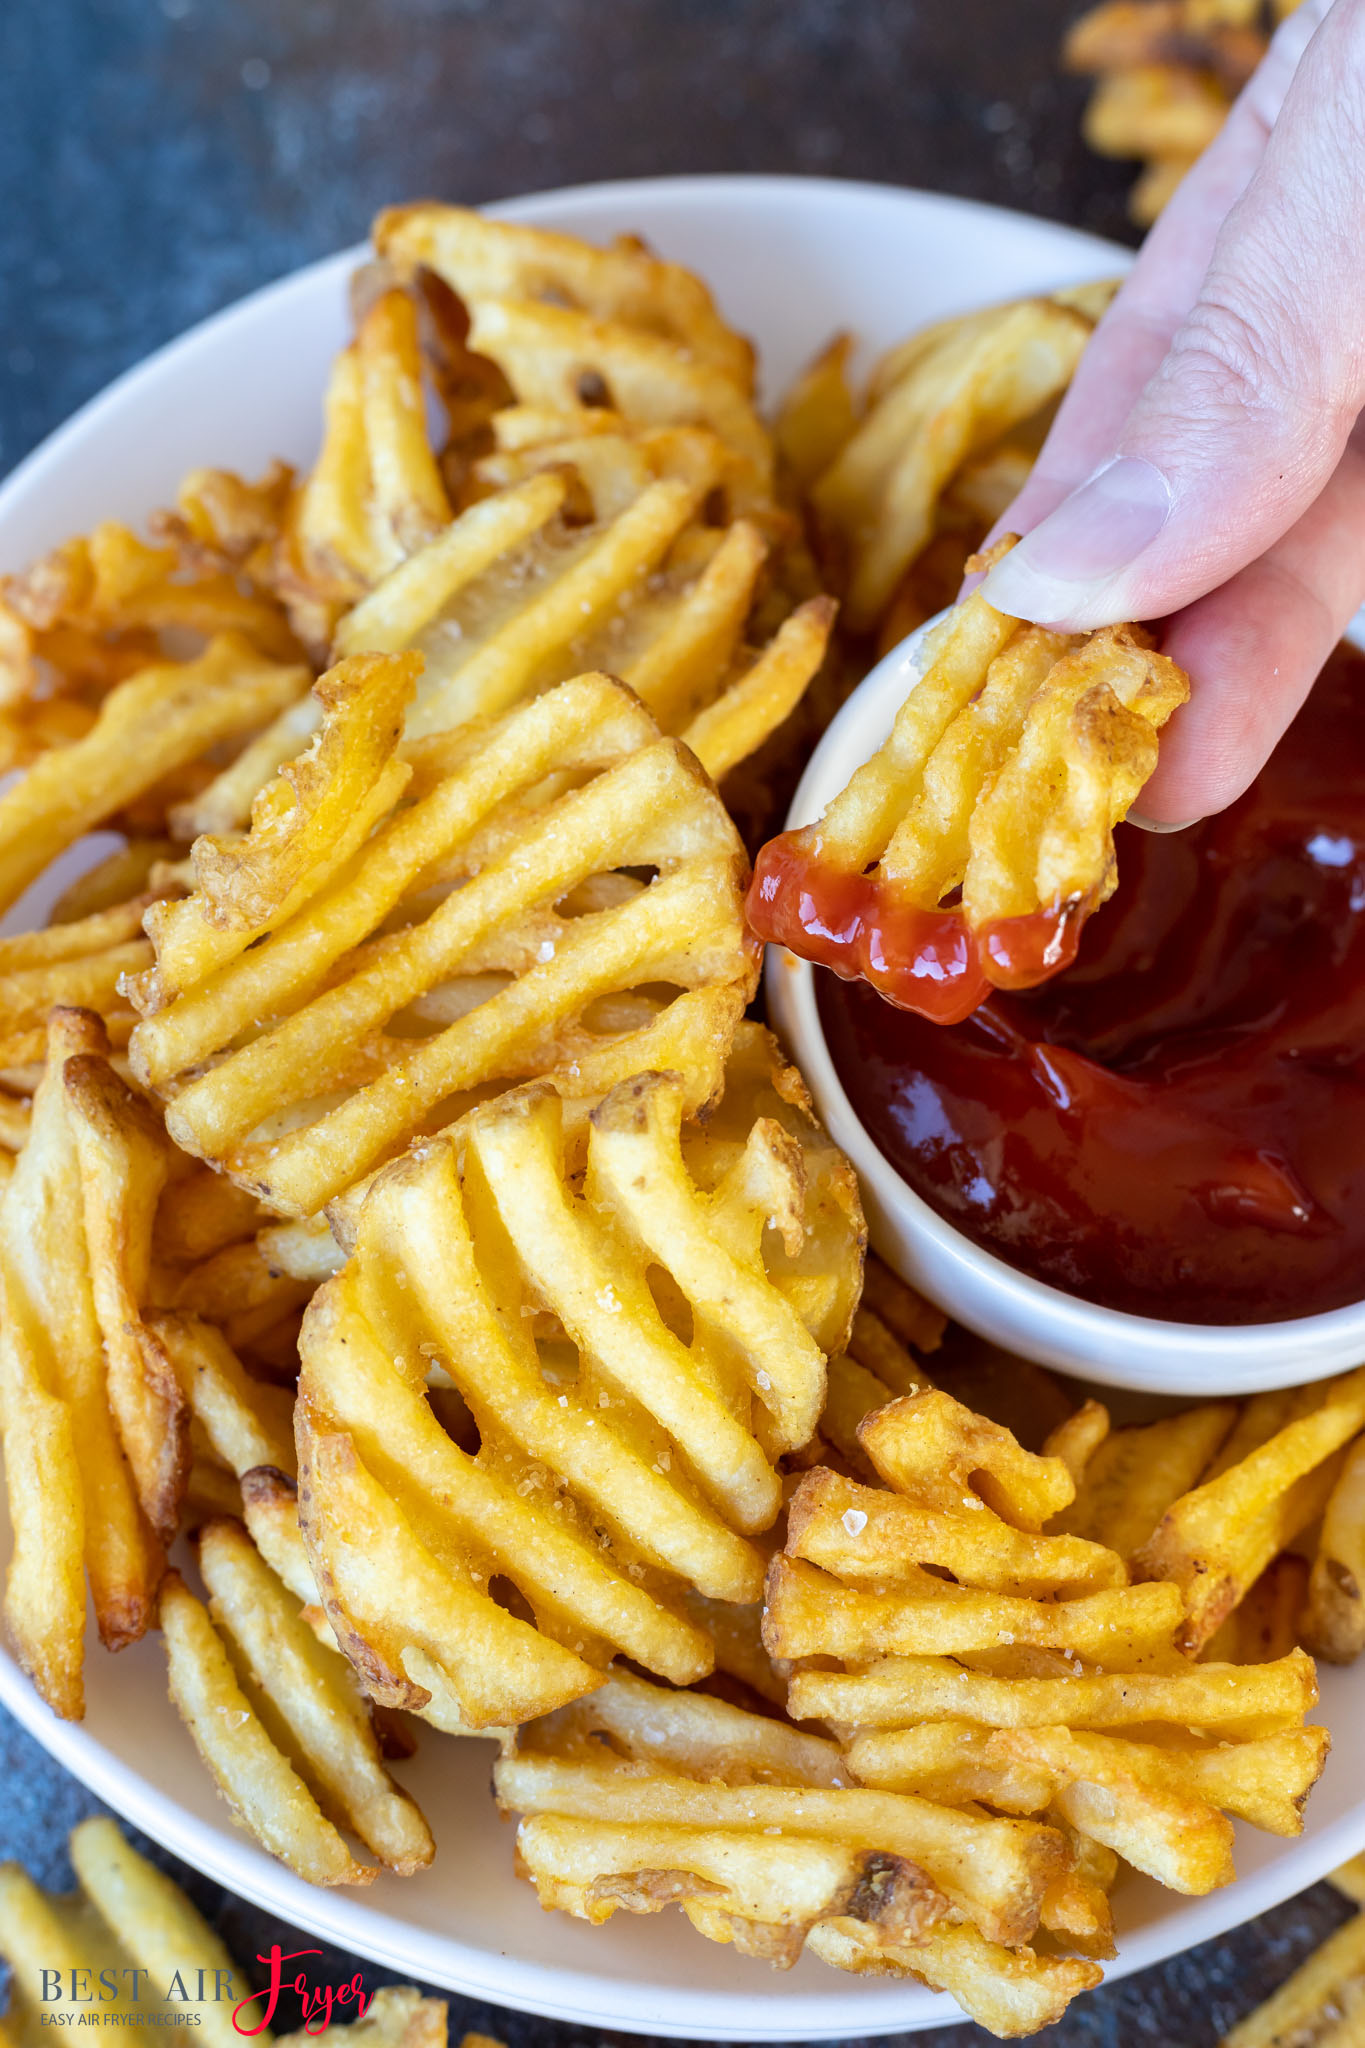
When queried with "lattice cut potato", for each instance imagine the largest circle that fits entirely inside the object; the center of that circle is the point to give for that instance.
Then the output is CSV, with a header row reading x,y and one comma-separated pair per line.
x,y
969,851
992,1657
520,592
280,1722
940,445
637,1798
375,493
575,326
557,894
573,1385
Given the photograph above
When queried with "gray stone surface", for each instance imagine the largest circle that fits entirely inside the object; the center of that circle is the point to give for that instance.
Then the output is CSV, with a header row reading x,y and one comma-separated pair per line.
x,y
158,160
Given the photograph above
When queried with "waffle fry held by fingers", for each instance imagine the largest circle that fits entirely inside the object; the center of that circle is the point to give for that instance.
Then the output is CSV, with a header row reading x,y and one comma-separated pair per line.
x,y
496,927
628,1363
637,1798
969,851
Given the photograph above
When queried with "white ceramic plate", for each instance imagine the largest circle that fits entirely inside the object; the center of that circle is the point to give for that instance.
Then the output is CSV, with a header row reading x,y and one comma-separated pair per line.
x,y
790,261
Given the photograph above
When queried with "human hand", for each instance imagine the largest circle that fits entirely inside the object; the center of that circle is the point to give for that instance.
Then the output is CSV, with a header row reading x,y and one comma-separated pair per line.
x,y
1208,464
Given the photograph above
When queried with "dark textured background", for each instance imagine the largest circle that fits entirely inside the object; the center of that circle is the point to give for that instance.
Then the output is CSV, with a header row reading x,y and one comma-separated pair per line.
x,y
158,160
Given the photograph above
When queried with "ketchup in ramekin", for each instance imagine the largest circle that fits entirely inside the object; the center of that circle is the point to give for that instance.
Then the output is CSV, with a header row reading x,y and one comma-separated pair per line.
x,y
1176,1124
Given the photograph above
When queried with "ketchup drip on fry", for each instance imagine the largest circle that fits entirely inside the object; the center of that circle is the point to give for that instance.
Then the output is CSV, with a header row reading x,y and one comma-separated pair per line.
x,y
922,960
1175,1126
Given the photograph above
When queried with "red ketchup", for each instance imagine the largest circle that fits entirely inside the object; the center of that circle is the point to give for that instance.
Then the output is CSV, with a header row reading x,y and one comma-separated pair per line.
x,y
1175,1125
922,960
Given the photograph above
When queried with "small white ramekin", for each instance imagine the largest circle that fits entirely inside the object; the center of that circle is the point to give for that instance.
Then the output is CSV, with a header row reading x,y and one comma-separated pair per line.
x,y
972,1285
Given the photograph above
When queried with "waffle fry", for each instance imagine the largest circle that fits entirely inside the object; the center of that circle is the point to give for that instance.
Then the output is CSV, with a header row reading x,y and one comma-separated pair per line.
x,y
1009,765
514,596
936,405
530,967
632,1362
1268,1621
1214,1542
73,1494
763,1137
376,493
570,325
123,1157
90,614
74,965
1134,1475
996,1666
1334,1622
302,1692
752,1829
158,720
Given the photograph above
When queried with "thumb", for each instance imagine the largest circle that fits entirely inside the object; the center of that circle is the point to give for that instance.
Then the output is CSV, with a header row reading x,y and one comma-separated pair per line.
x,y
1246,418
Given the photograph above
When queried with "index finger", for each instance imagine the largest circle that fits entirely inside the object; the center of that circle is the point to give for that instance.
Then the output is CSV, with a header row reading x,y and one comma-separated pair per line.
x,y
1133,337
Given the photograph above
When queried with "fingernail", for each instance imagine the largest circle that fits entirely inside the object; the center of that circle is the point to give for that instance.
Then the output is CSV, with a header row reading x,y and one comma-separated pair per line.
x,y
1059,573
1145,824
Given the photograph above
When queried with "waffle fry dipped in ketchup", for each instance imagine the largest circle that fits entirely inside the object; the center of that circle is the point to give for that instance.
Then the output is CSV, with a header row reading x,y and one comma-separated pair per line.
x,y
969,851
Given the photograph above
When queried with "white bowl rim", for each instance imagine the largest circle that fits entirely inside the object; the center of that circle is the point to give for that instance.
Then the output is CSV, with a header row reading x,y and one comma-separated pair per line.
x,y
1111,1346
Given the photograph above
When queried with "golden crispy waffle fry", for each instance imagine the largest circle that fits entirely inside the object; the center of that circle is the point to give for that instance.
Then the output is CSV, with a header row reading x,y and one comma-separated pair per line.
x,y
1164,1810
1122,34
487,259
633,1358
128,1915
1215,1541
73,1498
1268,1622
936,404
550,955
751,1828
994,1664
901,1693
123,1156
571,325
376,493
1333,1624
1010,762
1134,1475
306,823
312,1695
161,718
760,1151
279,1721
818,414
809,1614
1009,1991
518,593
1323,2003
91,613
867,1536
76,965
